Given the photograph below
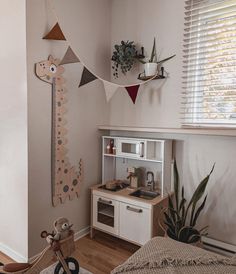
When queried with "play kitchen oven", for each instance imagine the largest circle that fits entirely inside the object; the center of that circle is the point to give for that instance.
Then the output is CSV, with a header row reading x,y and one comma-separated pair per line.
x,y
105,214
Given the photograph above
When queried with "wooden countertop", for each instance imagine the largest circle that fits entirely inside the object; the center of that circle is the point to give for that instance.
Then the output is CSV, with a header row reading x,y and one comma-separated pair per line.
x,y
124,193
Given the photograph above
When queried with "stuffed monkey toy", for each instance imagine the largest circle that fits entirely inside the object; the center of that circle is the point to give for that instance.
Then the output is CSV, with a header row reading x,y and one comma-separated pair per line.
x,y
62,230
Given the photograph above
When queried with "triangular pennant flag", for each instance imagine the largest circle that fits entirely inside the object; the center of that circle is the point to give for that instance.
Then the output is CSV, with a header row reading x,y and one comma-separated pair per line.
x,y
86,77
133,92
55,34
69,57
110,89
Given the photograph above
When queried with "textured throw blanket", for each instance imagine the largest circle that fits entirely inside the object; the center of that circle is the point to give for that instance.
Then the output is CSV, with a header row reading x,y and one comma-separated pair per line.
x,y
166,256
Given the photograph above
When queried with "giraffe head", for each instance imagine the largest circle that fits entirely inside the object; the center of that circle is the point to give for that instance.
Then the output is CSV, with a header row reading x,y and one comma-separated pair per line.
x,y
49,69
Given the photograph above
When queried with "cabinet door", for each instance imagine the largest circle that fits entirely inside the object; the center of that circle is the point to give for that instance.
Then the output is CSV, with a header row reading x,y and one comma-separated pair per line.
x,y
105,214
135,223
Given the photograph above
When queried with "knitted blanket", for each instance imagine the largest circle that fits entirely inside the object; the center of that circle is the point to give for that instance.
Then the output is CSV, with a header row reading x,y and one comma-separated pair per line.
x,y
166,256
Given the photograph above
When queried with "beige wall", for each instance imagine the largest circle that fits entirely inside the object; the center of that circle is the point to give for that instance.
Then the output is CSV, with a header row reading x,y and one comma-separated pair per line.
x,y
134,20
158,105
87,108
87,26
13,128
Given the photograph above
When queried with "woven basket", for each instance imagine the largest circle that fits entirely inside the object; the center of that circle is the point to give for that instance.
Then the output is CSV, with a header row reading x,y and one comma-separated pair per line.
x,y
68,245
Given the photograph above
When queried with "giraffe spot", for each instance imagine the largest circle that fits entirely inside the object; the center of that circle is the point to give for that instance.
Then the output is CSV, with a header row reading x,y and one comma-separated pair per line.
x,y
66,188
72,189
59,132
75,182
59,142
62,161
61,182
59,169
66,170
59,119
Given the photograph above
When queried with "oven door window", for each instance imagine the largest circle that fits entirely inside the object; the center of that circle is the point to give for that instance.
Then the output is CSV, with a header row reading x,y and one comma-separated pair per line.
x,y
105,213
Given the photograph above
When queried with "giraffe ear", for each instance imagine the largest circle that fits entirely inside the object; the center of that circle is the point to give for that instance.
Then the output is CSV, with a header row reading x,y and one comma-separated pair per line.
x,y
56,62
50,58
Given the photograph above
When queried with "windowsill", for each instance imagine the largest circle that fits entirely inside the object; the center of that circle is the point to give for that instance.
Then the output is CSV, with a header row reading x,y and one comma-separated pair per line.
x,y
199,130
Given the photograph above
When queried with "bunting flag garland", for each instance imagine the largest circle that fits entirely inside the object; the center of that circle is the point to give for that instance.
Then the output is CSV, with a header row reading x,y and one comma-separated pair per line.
x,y
86,77
133,92
110,89
55,34
69,57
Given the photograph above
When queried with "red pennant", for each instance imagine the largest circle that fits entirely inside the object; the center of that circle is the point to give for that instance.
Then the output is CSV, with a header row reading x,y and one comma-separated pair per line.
x,y
133,92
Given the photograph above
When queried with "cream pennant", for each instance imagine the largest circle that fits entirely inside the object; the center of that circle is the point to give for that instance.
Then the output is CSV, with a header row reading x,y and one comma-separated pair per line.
x,y
110,89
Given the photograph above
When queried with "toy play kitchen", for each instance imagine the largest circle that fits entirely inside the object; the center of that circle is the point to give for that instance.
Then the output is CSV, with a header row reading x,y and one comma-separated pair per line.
x,y
136,178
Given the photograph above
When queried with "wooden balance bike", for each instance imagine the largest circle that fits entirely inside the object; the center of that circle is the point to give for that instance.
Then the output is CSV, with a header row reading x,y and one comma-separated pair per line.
x,y
57,250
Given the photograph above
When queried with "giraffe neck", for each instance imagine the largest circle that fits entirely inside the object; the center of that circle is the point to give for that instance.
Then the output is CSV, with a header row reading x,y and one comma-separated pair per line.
x,y
66,177
59,111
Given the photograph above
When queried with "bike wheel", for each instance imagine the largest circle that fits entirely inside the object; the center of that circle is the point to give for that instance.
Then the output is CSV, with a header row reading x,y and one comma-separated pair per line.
x,y
72,264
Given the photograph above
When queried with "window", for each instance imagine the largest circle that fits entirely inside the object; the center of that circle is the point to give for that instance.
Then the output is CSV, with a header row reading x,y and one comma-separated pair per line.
x,y
209,80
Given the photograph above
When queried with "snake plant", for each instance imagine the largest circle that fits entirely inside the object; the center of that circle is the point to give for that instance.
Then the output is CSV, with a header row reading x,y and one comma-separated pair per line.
x,y
153,57
181,217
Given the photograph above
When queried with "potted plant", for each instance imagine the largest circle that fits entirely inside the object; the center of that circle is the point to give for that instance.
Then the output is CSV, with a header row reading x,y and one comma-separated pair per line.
x,y
151,66
124,57
181,218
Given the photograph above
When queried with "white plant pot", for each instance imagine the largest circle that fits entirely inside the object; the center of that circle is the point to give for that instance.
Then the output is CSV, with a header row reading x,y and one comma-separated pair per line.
x,y
150,69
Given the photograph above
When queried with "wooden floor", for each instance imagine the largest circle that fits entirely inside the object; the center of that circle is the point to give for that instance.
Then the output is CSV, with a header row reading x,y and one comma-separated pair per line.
x,y
103,253
4,259
99,255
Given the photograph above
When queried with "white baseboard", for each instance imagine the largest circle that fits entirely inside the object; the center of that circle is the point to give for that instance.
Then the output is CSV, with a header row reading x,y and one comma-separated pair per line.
x,y
79,234
12,253
218,246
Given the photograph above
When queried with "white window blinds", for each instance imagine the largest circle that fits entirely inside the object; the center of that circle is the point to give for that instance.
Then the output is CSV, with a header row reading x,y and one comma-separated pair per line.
x,y
209,79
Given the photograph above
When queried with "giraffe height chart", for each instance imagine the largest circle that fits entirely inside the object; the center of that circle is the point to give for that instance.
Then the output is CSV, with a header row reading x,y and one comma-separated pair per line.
x,y
66,180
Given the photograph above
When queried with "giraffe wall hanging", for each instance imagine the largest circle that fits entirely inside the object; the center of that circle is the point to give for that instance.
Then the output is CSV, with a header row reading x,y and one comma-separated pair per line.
x,y
66,180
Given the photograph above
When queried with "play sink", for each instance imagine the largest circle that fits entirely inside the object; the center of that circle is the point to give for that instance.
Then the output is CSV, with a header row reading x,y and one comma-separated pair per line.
x,y
145,194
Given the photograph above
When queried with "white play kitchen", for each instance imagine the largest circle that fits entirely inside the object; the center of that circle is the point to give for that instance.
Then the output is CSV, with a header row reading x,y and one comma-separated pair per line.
x,y
136,178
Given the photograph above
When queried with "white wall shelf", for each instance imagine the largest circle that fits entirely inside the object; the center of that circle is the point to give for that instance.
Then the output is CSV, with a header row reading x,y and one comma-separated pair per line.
x,y
148,160
213,131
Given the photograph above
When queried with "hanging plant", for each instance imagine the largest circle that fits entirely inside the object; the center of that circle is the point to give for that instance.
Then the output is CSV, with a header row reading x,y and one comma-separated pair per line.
x,y
124,57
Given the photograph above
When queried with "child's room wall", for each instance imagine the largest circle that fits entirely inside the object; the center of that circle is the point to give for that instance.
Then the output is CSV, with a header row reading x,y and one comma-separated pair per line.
x,y
87,108
13,129
159,105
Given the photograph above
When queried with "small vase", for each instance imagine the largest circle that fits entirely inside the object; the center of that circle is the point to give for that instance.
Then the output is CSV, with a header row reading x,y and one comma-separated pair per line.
x,y
150,69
